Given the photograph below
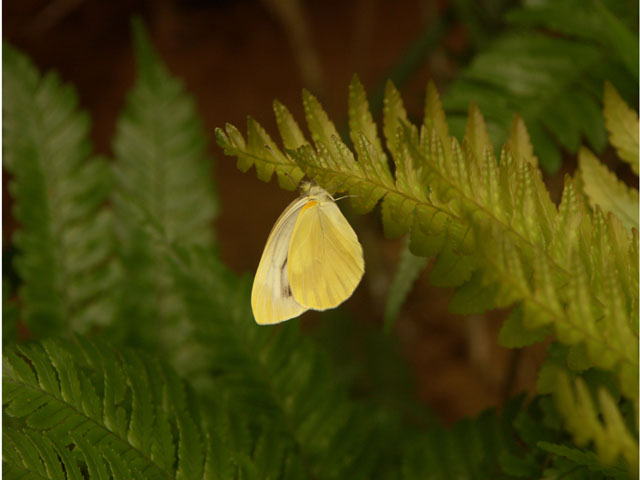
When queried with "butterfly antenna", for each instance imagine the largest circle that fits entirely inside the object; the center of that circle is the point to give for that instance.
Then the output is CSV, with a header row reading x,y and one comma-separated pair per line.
x,y
344,196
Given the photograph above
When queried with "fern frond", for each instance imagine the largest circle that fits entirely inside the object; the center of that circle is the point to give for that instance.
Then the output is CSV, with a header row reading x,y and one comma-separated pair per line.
x,y
470,449
518,442
32,454
514,334
83,410
279,382
599,422
287,171
605,190
64,240
163,182
409,268
590,20
622,124
494,229
549,67
277,377
280,162
161,161
585,459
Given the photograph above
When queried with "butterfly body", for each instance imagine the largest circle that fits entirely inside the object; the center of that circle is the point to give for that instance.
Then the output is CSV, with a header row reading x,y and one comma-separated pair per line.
x,y
312,260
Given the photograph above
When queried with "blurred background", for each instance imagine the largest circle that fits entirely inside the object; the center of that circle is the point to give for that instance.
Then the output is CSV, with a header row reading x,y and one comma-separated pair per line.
x,y
235,57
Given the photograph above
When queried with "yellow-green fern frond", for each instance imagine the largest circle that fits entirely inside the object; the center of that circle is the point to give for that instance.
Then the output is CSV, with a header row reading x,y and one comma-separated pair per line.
x,y
622,124
489,221
608,192
598,421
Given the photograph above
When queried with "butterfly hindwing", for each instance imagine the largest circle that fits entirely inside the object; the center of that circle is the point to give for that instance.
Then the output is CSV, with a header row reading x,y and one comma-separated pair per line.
x,y
325,262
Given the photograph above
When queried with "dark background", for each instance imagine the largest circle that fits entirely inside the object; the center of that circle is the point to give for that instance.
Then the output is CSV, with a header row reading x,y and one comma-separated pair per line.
x,y
235,57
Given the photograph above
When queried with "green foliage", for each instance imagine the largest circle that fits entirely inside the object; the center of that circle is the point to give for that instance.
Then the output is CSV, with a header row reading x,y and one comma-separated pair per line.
x,y
409,268
593,409
161,178
576,458
489,221
548,67
607,192
514,333
279,376
64,242
81,409
600,185
622,124
211,394
289,175
522,441
370,363
470,449
600,422
286,416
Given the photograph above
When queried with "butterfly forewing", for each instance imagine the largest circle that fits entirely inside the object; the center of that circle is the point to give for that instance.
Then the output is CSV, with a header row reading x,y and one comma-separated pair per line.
x,y
272,300
325,261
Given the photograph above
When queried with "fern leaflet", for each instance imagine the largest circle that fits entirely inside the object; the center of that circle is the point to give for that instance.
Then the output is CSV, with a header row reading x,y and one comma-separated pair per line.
x,y
162,177
409,268
600,422
79,408
607,192
622,124
549,67
64,240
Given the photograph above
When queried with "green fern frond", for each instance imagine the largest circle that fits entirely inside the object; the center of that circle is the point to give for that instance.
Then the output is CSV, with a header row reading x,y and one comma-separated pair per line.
x,y
160,148
519,142
82,410
598,421
605,190
622,124
163,182
279,382
602,187
518,442
549,67
277,377
409,268
586,459
604,22
32,454
285,168
514,334
470,449
64,240
493,227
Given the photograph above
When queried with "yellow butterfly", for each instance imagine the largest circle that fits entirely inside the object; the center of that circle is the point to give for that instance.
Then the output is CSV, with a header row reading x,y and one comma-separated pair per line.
x,y
312,260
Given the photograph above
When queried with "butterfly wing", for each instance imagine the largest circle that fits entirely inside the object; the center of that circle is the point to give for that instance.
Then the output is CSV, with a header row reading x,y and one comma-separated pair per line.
x,y
271,297
325,261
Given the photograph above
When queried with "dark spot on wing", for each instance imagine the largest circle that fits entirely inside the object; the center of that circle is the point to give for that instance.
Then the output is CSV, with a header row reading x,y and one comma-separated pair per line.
x,y
284,283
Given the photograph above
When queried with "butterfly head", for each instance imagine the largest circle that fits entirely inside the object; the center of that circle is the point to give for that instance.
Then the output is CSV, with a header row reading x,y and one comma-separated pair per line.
x,y
310,189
